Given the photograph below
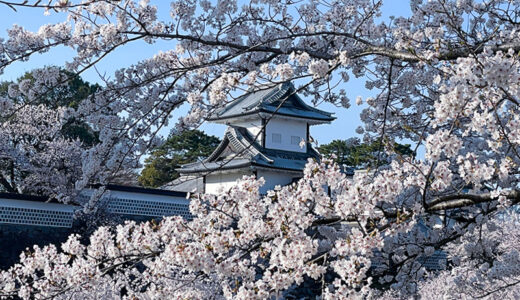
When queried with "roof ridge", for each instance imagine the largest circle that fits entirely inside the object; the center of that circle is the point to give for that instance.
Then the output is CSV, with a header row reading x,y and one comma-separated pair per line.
x,y
234,141
233,103
283,89
270,91
223,144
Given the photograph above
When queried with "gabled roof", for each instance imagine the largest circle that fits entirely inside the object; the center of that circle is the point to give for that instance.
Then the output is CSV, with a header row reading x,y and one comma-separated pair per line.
x,y
187,184
239,150
279,100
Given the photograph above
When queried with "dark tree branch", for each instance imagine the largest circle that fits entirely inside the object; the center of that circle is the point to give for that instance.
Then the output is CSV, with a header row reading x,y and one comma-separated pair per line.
x,y
463,200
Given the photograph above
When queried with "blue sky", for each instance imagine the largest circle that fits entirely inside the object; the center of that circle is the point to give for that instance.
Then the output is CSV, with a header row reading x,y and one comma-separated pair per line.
x,y
342,128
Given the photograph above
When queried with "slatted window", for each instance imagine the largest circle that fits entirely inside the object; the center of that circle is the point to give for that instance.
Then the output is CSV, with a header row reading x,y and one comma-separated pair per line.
x,y
277,138
295,140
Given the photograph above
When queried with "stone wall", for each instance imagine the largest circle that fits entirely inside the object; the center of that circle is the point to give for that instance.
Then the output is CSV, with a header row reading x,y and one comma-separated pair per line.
x,y
17,238
14,238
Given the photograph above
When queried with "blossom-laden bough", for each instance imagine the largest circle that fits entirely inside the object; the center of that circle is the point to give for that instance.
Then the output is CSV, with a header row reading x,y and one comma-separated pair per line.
x,y
448,79
327,229
241,244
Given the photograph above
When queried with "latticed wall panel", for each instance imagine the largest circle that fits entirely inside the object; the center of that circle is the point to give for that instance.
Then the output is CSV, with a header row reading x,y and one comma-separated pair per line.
x,y
437,261
37,215
143,205
148,208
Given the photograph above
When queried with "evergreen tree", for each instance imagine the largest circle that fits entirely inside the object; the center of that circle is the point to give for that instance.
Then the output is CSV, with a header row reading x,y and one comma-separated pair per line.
x,y
352,152
70,94
189,146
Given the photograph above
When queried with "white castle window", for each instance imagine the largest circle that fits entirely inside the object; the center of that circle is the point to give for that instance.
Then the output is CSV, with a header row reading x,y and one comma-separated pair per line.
x,y
295,140
277,138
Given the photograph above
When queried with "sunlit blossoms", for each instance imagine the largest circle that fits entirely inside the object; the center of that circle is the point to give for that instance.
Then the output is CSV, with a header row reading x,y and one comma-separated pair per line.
x,y
34,154
233,248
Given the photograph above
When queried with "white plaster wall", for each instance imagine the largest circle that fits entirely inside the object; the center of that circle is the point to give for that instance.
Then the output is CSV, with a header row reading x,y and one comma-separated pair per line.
x,y
225,181
274,178
286,128
253,127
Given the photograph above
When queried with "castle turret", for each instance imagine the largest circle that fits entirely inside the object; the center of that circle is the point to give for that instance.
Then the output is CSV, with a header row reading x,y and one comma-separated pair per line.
x,y
267,135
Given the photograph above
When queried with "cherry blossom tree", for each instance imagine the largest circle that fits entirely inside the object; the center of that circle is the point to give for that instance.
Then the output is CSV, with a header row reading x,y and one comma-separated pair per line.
x,y
41,143
35,157
447,78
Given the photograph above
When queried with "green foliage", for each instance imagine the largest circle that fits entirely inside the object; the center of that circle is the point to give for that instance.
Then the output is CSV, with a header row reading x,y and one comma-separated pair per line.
x,y
187,147
355,154
76,129
69,94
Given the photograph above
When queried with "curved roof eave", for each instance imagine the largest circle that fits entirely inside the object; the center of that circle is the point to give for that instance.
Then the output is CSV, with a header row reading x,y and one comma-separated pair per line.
x,y
260,100
205,169
266,111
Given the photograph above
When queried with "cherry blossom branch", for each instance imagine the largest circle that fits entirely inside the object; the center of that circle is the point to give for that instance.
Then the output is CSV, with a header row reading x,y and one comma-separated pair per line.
x,y
463,200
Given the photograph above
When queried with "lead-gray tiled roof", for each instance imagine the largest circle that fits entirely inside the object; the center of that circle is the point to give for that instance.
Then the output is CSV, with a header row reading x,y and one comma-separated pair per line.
x,y
280,100
248,153
187,184
201,167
